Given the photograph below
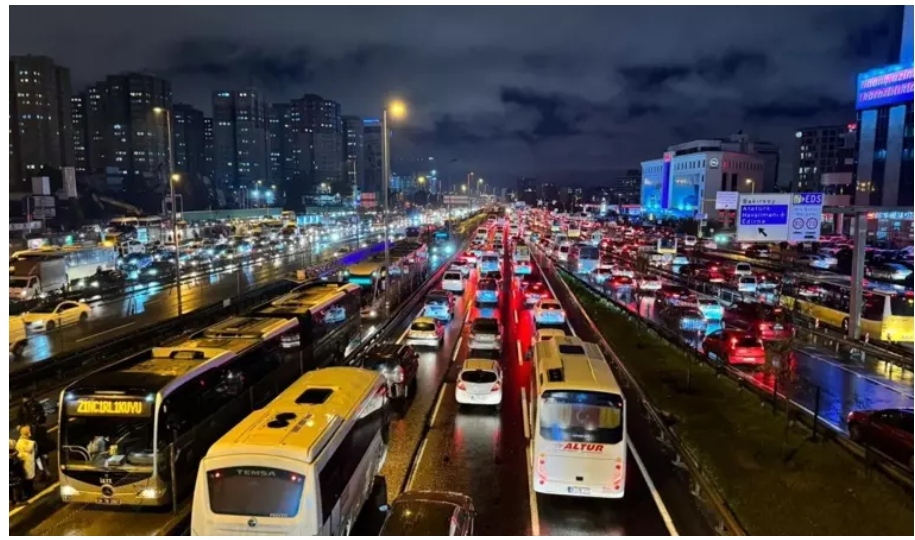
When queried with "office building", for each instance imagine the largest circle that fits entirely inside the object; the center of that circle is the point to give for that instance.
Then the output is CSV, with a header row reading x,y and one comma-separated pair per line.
x,y
239,142
208,148
189,142
40,119
528,190
321,119
549,193
686,180
79,123
279,129
625,188
818,151
354,151
374,159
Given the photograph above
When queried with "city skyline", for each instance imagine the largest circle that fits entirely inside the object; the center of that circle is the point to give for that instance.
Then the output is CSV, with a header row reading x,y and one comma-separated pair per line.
x,y
562,107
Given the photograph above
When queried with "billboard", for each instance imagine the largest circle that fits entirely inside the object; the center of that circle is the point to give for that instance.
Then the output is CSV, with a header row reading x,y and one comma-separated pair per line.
x,y
888,85
726,200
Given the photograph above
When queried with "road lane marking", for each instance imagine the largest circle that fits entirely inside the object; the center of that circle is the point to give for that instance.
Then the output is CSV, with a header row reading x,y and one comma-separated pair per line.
x,y
402,336
438,405
44,493
419,459
520,360
662,508
457,349
96,334
535,512
516,318
525,414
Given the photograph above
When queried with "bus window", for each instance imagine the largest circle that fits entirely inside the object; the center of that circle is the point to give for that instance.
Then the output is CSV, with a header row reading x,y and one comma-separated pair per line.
x,y
902,306
581,417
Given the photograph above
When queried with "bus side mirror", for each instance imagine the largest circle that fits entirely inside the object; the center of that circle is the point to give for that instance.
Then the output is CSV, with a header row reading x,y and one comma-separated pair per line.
x,y
384,508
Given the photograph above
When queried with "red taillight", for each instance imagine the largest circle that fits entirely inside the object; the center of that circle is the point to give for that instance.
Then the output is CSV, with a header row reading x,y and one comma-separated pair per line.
x,y
733,343
496,387
462,386
762,326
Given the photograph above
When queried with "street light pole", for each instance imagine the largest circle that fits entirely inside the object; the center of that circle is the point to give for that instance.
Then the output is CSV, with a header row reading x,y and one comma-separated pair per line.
x,y
172,179
385,180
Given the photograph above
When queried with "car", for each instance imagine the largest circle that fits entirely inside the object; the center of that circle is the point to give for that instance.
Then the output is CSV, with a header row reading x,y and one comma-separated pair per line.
x,y
427,331
453,281
683,318
734,347
689,240
649,283
487,291
674,295
742,269
620,270
463,266
745,284
602,273
49,316
709,274
679,260
486,333
709,244
470,257
891,271
535,292
441,293
620,283
712,310
438,308
399,365
429,513
757,252
821,262
887,430
479,383
549,311
762,320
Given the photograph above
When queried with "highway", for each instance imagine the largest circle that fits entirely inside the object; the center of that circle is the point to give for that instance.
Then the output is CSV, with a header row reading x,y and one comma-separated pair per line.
x,y
158,302
86,520
845,383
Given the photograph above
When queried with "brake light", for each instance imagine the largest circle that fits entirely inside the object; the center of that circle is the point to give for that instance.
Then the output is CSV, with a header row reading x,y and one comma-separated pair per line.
x,y
462,386
762,326
733,343
496,387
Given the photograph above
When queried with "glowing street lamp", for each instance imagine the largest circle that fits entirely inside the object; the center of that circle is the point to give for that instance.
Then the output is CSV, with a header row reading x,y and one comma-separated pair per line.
x,y
397,109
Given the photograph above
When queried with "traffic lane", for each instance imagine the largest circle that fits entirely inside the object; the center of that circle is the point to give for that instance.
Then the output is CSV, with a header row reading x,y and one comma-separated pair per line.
x,y
92,520
156,303
657,501
842,386
480,451
407,429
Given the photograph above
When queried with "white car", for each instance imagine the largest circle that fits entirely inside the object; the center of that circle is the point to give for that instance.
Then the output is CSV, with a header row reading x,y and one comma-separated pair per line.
x,y
618,270
486,334
649,283
479,383
549,311
427,331
53,316
743,269
746,284
816,261
709,244
453,281
462,266
689,240
602,273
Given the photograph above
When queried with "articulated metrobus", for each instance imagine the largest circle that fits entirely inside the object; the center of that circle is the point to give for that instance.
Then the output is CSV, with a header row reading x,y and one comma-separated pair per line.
x,y
886,315
305,465
578,422
121,426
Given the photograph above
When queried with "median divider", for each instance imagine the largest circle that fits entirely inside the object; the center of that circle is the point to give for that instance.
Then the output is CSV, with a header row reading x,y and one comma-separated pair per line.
x,y
703,488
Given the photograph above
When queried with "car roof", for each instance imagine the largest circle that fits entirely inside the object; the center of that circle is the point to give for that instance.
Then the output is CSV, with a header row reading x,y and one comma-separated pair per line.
x,y
482,364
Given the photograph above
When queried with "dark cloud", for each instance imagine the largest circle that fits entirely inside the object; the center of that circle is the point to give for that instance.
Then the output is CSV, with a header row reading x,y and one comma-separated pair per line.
x,y
549,91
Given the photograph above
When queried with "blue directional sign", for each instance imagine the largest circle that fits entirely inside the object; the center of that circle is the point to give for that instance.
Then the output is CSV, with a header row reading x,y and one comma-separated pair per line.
x,y
763,217
806,217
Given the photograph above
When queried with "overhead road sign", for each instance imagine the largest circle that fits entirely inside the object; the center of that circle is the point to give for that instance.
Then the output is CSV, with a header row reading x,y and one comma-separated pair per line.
x,y
806,217
726,200
763,217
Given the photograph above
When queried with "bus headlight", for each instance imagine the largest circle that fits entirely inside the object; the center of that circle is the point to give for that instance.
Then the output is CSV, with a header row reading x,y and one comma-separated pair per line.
x,y
150,493
67,492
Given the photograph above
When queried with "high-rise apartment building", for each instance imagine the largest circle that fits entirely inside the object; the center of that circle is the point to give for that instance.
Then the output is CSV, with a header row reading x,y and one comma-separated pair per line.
x,y
40,119
374,162
354,151
239,140
819,150
79,122
189,140
321,118
208,158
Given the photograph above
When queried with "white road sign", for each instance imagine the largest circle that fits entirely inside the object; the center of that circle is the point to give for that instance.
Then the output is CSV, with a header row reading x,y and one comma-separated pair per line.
x,y
726,200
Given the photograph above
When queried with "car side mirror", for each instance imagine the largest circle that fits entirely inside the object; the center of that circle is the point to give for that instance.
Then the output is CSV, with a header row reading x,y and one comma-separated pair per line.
x,y
384,508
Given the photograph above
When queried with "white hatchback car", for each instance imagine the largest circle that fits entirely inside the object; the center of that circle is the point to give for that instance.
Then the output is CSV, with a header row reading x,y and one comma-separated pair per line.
x,y
479,383
453,281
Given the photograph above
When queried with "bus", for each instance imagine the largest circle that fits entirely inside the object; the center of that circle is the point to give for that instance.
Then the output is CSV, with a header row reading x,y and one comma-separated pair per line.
x,y
521,260
82,262
131,429
587,258
886,314
145,229
305,465
329,319
578,421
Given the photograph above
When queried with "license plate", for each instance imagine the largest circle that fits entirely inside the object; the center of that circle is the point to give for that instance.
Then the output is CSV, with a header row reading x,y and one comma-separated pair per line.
x,y
108,500
580,490
777,327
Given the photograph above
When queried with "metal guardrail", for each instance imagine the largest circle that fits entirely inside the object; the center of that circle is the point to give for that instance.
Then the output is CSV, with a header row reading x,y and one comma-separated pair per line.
x,y
894,470
725,522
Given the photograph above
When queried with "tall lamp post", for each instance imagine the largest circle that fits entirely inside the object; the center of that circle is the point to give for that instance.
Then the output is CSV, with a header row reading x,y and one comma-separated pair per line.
x,y
172,180
396,109
752,184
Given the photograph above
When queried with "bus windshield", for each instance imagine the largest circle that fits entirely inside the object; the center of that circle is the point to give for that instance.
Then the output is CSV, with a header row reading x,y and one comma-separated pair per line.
x,y
100,442
255,491
570,416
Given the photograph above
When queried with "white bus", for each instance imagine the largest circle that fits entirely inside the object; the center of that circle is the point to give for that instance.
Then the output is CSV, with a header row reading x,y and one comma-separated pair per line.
x,y
302,466
578,422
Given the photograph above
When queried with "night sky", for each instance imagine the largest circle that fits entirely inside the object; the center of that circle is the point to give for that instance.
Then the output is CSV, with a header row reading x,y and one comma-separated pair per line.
x,y
566,94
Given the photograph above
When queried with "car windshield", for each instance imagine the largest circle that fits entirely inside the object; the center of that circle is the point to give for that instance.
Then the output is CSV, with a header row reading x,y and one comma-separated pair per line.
x,y
453,275
423,326
485,326
18,282
478,376
593,417
419,518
